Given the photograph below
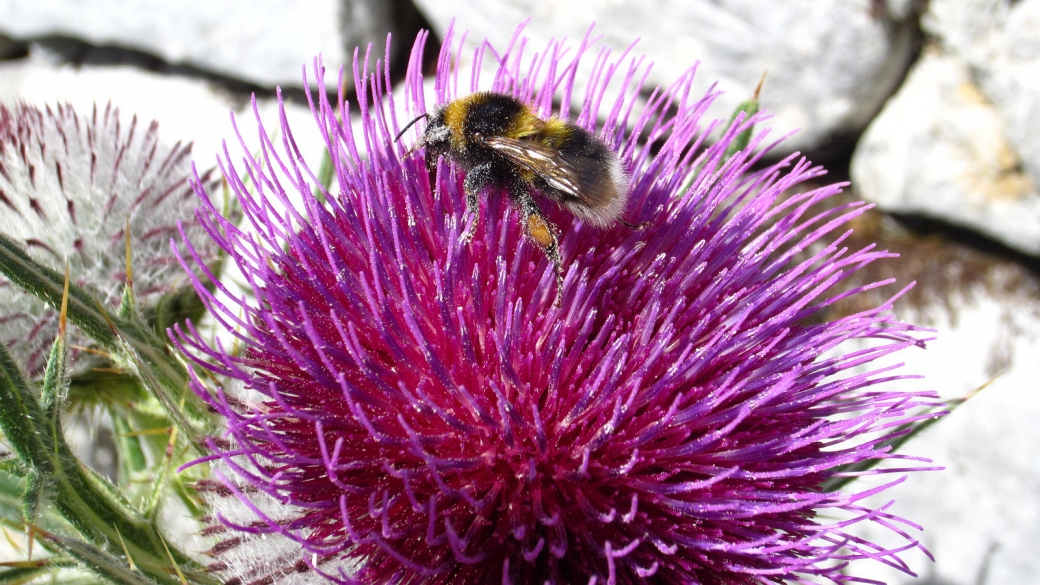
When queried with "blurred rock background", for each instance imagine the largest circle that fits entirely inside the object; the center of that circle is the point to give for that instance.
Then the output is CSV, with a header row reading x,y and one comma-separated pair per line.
x,y
930,107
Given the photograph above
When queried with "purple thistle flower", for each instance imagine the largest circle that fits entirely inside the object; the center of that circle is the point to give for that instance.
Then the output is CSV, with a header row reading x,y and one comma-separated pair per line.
x,y
406,408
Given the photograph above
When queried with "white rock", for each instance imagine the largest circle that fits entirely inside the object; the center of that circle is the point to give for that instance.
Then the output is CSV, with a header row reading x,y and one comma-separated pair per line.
x,y
900,9
981,515
830,63
1001,42
968,28
187,109
263,41
940,149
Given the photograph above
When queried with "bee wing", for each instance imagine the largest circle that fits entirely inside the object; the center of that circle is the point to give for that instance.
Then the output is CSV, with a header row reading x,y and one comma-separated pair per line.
x,y
576,176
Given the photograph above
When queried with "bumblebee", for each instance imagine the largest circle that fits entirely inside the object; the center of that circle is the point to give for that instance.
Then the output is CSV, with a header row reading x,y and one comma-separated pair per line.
x,y
501,143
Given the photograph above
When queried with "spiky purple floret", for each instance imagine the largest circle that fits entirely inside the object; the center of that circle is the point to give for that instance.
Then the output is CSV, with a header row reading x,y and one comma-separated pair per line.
x,y
415,409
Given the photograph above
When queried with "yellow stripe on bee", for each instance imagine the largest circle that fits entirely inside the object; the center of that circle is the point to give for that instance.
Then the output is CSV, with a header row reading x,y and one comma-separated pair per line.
x,y
554,132
524,124
455,118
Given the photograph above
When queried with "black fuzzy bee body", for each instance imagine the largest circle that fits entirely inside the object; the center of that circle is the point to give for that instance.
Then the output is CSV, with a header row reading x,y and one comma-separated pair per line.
x,y
500,142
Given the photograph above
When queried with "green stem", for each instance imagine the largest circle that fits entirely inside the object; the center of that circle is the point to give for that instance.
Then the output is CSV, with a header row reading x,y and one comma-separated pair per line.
x,y
132,460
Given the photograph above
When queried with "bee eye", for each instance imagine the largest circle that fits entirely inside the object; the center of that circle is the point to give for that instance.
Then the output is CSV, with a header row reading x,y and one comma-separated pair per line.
x,y
478,137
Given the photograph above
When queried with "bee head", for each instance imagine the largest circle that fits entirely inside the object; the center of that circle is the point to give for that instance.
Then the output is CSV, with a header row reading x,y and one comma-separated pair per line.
x,y
436,138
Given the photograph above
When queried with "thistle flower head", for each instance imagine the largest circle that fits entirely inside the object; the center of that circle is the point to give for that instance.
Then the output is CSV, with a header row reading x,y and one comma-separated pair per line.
x,y
69,186
403,407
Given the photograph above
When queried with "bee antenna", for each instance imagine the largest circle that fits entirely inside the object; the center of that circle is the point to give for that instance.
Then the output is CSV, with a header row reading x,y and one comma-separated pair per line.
x,y
409,125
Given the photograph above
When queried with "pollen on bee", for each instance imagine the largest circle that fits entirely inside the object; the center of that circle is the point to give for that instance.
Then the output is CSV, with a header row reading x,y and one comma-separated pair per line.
x,y
539,231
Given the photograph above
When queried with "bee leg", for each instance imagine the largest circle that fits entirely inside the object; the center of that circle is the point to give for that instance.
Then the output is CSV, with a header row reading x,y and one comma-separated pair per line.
x,y
473,209
545,234
477,178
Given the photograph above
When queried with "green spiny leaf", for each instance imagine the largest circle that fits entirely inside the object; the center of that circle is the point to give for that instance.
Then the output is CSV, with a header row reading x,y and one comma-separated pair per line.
x,y
100,562
325,174
184,485
18,572
56,375
14,466
12,492
48,285
132,460
33,497
748,109
131,339
159,485
176,307
21,417
92,505
128,304
105,387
